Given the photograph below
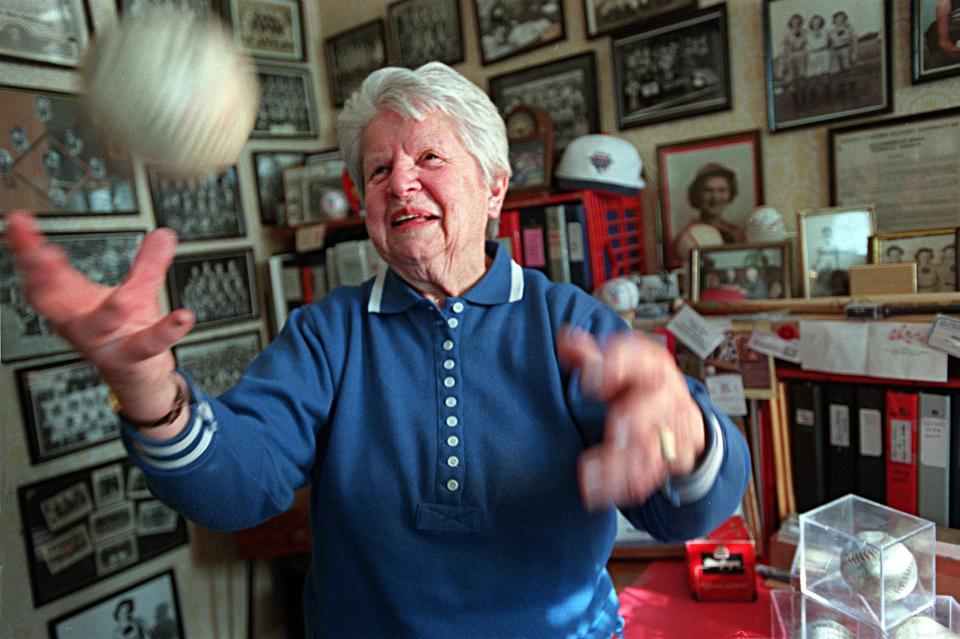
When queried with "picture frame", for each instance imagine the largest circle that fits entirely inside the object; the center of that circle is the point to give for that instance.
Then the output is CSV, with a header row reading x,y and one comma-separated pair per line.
x,y
65,409
288,107
150,607
219,287
831,241
203,8
686,169
58,518
203,206
54,32
930,58
314,192
734,356
352,55
271,29
821,67
566,89
698,81
428,30
934,251
760,271
864,159
268,168
509,28
216,364
53,161
104,257
530,138
606,16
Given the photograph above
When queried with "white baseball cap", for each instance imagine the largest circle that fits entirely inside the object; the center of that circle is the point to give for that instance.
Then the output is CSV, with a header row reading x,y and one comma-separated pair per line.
x,y
603,162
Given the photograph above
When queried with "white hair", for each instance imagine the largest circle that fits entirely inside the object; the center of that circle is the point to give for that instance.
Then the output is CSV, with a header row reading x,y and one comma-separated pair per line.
x,y
434,87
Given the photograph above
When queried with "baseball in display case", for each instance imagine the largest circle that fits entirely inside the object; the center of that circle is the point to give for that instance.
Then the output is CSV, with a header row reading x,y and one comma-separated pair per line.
x,y
867,561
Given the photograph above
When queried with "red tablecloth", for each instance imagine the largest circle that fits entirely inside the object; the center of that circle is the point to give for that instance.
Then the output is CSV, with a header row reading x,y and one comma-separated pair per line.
x,y
658,605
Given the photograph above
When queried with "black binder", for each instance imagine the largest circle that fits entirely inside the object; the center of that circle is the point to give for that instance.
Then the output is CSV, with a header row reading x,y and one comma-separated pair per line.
x,y
808,430
842,441
871,460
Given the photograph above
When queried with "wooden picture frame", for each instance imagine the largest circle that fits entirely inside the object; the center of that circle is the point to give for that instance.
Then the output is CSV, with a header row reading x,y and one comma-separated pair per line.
x,y
831,241
823,68
65,409
650,90
61,553
686,173
55,162
288,106
933,250
198,206
566,89
271,29
151,608
422,31
219,287
54,32
759,271
104,257
352,55
606,16
931,58
530,137
216,364
506,29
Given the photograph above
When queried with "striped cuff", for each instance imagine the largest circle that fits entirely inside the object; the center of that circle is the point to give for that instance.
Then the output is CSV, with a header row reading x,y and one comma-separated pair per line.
x,y
693,487
187,447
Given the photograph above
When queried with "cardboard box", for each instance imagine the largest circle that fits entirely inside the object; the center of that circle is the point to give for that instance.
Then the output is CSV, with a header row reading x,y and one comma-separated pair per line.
x,y
721,567
883,279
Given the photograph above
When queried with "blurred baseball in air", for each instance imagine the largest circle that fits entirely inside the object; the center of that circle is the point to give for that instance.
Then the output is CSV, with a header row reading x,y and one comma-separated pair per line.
x,y
173,88
620,293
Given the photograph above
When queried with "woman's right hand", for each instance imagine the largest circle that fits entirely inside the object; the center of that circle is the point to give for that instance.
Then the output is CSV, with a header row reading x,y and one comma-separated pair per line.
x,y
121,330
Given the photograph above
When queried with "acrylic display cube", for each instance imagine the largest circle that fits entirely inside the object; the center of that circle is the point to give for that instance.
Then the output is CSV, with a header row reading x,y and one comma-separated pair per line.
x,y
867,561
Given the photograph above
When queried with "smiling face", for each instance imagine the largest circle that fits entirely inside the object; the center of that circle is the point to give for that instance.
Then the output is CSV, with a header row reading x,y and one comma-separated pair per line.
x,y
427,201
714,197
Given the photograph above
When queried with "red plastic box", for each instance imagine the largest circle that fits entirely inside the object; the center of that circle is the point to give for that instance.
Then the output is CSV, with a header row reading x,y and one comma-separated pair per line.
x,y
721,567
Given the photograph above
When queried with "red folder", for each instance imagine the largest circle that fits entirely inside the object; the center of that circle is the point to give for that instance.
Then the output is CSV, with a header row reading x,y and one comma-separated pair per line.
x,y
901,449
510,227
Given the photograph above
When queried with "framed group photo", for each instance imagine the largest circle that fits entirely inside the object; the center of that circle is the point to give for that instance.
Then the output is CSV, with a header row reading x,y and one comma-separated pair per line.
x,y
934,40
826,60
831,241
606,16
741,271
352,55
198,206
288,106
566,89
268,28
49,31
708,187
673,70
510,27
220,288
934,251
422,31
216,364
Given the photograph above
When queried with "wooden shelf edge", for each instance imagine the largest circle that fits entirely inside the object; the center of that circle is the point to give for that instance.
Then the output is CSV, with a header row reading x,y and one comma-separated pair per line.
x,y
925,303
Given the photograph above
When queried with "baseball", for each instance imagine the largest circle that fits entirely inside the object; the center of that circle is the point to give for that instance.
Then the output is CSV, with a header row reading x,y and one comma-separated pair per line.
x,y
172,88
828,629
860,566
922,628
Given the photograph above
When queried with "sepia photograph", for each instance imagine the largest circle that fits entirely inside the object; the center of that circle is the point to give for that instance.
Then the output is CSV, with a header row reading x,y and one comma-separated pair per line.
x,y
216,364
220,288
202,206
268,28
48,31
675,70
424,31
826,61
741,272
934,251
935,40
148,608
831,241
352,55
510,27
605,16
65,409
54,162
287,104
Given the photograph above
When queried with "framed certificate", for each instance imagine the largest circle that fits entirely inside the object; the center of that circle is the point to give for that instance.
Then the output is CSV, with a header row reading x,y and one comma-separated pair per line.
x,y
49,31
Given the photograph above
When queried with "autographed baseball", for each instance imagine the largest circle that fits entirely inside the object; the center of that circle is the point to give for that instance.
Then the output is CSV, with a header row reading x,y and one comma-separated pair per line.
x,y
173,88
828,629
860,566
922,628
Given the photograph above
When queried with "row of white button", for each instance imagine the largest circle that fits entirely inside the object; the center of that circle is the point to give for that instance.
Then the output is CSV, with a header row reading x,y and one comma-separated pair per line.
x,y
449,382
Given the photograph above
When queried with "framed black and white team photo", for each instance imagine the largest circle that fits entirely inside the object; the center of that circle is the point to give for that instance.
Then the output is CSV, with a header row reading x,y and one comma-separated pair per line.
x,y
423,31
220,288
202,206
65,409
352,55
674,70
605,16
288,105
216,364
103,257
268,28
826,60
49,31
511,27
148,608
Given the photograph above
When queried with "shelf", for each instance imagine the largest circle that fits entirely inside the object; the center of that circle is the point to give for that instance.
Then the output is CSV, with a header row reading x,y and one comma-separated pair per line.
x,y
898,307
789,371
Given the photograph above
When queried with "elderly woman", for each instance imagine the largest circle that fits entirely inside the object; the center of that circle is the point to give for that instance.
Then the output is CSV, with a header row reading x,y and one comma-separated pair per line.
x,y
444,412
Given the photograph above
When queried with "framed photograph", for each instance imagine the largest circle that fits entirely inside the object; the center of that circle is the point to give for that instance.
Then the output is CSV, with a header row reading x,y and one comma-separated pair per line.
x,y
352,55
826,60
831,241
53,161
148,608
422,31
203,8
565,89
605,16
934,251
673,70
49,31
734,356
741,271
220,288
904,167
65,409
510,27
103,257
934,37
72,543
708,187
268,168
288,107
198,206
216,364
314,191
268,28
